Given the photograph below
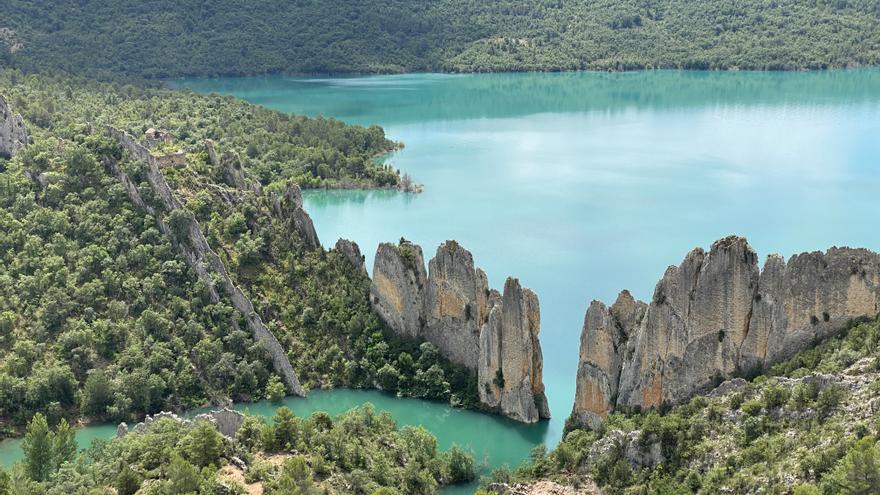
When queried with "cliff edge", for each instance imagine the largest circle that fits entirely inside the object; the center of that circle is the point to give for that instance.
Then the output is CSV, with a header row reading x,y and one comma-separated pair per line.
x,y
714,317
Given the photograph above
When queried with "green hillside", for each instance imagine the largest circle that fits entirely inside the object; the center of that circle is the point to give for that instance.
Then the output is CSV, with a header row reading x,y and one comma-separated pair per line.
x,y
160,39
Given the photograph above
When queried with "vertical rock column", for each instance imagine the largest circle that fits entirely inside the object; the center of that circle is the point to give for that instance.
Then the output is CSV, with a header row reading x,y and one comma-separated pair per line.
x,y
453,308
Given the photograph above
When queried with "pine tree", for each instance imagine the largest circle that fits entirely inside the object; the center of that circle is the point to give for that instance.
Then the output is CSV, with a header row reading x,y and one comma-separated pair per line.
x,y
127,481
203,444
64,444
38,447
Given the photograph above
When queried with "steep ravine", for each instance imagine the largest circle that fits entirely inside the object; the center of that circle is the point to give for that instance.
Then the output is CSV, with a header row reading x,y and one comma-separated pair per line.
x,y
191,242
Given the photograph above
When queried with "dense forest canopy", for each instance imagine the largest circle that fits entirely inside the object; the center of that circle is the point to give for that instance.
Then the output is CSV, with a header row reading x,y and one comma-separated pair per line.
x,y
101,318
161,39
359,452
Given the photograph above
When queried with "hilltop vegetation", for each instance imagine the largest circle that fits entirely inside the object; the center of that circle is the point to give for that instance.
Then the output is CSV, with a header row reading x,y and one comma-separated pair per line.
x,y
359,452
809,426
160,39
100,316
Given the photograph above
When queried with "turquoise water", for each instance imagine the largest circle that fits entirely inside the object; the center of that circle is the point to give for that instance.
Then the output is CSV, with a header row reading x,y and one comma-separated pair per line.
x,y
582,184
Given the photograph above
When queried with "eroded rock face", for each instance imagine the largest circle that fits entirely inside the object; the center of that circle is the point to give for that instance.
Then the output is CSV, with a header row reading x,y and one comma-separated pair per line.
x,y
13,134
289,205
452,307
716,316
455,304
399,283
352,253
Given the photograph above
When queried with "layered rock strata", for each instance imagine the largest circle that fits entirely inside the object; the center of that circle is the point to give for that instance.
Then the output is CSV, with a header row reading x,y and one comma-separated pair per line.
x,y
493,334
716,316
191,242
13,134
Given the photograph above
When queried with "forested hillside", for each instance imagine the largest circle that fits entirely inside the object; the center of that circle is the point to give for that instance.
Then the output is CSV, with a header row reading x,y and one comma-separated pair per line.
x,y
160,38
100,315
808,426
359,452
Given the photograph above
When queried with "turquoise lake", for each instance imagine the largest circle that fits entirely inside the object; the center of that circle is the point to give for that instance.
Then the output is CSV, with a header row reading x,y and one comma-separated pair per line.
x,y
583,184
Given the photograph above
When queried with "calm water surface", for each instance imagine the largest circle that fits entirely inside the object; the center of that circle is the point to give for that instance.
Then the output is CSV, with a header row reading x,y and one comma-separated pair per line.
x,y
583,184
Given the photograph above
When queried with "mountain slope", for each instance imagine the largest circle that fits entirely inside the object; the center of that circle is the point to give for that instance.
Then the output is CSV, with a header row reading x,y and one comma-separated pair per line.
x,y
160,39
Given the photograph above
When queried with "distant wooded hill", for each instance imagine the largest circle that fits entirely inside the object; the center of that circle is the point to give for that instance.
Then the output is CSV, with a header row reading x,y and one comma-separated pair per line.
x,y
163,38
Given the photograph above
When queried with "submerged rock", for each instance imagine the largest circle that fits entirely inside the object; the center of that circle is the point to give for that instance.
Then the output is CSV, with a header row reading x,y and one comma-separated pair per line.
x,y
13,133
716,316
452,307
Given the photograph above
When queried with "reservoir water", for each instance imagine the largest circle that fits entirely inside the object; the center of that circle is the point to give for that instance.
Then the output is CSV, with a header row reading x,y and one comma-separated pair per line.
x,y
583,184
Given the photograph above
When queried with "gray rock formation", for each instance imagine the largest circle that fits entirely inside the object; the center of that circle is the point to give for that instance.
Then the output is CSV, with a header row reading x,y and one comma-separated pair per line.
x,y
227,422
452,307
191,243
289,206
13,134
398,290
716,316
455,304
352,253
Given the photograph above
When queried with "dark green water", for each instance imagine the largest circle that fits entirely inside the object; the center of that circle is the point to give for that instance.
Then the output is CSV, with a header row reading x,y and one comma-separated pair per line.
x,y
582,184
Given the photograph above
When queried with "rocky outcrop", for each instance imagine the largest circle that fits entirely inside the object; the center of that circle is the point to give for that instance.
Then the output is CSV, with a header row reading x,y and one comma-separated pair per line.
x,y
188,238
398,290
13,134
227,422
451,306
288,206
352,253
716,316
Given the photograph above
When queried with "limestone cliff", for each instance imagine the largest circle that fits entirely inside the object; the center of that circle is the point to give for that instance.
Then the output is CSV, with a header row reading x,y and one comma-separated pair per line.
x,y
191,243
13,134
716,316
451,306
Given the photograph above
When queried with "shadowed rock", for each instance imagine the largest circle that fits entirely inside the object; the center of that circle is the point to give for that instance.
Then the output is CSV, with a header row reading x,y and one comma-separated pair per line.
x,y
289,206
716,316
352,253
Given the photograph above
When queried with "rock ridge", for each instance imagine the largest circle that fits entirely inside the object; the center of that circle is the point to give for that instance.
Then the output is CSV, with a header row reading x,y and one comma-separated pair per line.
x,y
190,241
716,316
451,306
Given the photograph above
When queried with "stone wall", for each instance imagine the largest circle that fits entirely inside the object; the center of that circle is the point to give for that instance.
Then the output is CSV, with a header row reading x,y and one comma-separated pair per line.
x,y
716,316
198,254
495,335
13,134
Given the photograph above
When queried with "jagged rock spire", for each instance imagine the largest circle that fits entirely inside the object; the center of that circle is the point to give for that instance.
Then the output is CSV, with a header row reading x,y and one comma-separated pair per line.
x,y
716,316
452,307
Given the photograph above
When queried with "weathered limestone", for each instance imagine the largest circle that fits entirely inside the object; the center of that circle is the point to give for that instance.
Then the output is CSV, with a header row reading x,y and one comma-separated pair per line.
x,y
289,206
13,134
191,242
455,304
227,422
716,316
397,292
453,308
352,253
